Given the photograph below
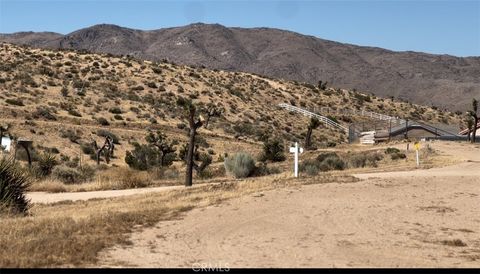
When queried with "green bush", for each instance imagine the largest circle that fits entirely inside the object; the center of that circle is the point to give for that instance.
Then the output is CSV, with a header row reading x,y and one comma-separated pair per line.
x,y
13,186
398,155
310,166
391,150
142,157
241,165
323,162
273,151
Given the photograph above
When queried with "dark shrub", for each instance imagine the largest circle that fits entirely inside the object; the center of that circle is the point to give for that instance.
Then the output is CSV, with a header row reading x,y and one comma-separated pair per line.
x,y
45,164
273,151
102,121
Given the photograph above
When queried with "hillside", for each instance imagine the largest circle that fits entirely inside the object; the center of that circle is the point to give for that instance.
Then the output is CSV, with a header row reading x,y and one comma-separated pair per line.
x,y
61,99
438,80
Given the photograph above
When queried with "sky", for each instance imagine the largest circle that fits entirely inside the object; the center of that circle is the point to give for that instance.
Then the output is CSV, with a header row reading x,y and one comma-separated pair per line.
x,y
439,27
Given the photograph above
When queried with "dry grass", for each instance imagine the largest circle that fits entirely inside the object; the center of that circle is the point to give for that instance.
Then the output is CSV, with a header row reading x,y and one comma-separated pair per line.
x,y
72,233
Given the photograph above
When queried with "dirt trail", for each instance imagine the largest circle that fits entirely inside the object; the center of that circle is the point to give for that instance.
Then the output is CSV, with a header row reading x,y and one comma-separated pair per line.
x,y
430,220
46,198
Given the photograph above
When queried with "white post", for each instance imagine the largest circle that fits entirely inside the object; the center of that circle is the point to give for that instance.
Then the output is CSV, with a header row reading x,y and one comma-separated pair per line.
x,y
296,159
296,150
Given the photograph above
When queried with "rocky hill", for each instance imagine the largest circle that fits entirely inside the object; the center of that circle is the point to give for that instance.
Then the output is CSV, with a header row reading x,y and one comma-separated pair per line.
x,y
66,99
435,80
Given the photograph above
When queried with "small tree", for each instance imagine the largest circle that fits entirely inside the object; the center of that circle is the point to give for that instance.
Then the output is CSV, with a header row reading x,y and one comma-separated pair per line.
x,y
164,146
195,121
314,123
473,114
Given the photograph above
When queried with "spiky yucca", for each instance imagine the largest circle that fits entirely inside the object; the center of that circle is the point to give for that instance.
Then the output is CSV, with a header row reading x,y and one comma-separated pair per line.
x,y
13,187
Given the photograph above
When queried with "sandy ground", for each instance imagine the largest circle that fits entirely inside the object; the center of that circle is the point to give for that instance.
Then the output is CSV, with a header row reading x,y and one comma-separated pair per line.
x,y
421,218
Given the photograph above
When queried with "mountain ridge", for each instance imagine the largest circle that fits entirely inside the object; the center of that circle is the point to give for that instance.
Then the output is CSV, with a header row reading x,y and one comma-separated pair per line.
x,y
442,80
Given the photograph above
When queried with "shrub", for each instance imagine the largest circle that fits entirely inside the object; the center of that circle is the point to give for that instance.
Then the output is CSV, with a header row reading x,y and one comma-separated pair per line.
x,y
332,163
70,175
126,178
15,102
241,165
74,112
67,175
102,121
309,166
71,134
398,155
263,170
364,159
273,151
391,150
44,113
142,157
105,133
13,186
87,149
115,110
45,164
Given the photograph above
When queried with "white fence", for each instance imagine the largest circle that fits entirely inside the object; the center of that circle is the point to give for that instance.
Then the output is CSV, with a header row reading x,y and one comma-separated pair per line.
x,y
322,119
365,113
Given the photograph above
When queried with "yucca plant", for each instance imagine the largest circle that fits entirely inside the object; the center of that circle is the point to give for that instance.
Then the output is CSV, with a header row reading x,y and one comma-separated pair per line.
x,y
13,186
46,163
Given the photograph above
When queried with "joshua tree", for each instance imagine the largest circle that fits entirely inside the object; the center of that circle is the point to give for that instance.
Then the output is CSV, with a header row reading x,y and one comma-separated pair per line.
x,y
321,85
469,127
165,146
473,114
195,121
108,147
212,111
314,123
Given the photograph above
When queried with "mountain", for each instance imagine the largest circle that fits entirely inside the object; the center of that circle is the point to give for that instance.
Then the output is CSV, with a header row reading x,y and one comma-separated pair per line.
x,y
439,80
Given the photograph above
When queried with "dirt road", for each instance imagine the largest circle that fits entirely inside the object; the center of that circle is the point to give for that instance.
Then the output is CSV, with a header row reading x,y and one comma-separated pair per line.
x,y
422,218
46,198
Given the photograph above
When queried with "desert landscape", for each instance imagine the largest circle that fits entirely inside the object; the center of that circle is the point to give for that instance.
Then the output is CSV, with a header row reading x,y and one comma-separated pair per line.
x,y
211,147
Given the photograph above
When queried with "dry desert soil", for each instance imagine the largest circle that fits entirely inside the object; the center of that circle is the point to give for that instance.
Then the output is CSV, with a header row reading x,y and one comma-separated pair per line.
x,y
418,218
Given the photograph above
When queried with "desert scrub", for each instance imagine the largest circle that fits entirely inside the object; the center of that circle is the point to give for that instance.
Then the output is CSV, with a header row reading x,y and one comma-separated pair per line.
x,y
273,150
105,133
324,162
395,153
364,159
124,178
13,185
240,165
69,175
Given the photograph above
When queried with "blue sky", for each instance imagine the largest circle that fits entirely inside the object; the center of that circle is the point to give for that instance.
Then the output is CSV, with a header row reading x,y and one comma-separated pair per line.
x,y
441,27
